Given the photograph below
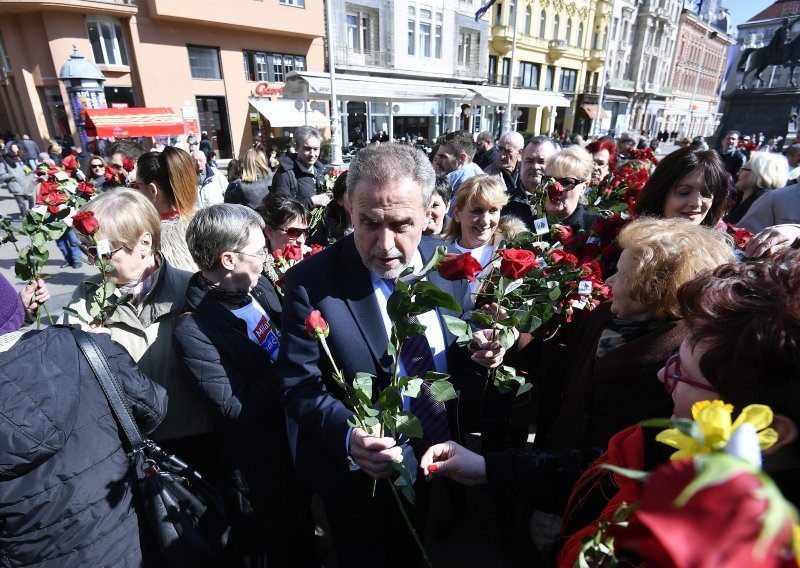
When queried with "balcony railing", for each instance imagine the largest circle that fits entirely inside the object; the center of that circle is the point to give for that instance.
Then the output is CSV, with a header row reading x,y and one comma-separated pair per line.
x,y
346,57
621,84
497,79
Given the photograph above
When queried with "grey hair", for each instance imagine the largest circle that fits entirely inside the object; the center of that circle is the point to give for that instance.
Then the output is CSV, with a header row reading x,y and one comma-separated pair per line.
x,y
219,228
539,140
386,163
515,138
303,133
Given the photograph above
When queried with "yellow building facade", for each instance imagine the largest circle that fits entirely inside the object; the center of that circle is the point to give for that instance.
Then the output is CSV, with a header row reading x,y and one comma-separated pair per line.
x,y
561,48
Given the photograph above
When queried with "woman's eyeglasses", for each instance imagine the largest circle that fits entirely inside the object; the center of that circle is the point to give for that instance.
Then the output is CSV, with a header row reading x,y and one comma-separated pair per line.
x,y
672,376
92,251
566,183
292,232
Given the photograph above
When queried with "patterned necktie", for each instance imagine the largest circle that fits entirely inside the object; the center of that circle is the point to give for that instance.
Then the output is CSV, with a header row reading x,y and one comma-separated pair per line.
x,y
417,359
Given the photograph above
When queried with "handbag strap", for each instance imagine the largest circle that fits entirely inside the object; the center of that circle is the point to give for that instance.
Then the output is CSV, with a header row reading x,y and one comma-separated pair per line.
x,y
108,382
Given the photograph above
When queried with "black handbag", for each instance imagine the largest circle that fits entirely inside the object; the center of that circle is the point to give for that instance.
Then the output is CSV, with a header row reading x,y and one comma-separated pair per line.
x,y
184,512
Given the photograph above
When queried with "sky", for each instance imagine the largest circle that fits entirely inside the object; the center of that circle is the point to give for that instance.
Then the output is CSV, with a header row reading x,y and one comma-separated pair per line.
x,y
743,10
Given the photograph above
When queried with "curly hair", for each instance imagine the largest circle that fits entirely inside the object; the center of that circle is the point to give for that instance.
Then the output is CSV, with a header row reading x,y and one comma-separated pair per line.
x,y
747,317
676,166
668,253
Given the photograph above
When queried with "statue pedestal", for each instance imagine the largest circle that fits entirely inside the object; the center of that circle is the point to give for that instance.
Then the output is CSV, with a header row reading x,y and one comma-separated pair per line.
x,y
760,110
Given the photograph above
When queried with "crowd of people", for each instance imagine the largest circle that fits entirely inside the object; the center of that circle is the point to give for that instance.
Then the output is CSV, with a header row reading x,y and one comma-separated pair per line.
x,y
210,342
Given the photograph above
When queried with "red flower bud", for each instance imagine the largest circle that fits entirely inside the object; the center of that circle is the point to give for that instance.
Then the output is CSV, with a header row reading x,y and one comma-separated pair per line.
x,y
70,163
560,256
316,326
459,267
85,223
128,164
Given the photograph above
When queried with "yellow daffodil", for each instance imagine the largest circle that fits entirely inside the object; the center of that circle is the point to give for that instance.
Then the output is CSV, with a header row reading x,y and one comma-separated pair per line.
x,y
714,428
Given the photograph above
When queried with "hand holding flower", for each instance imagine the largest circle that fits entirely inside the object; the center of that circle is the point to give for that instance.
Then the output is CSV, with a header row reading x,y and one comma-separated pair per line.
x,y
454,461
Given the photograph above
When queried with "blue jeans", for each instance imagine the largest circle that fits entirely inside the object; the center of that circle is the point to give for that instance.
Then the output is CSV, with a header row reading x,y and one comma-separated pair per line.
x,y
68,245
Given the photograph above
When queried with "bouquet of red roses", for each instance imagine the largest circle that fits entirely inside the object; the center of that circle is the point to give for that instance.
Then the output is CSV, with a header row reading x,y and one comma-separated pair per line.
x,y
283,259
599,244
645,154
617,192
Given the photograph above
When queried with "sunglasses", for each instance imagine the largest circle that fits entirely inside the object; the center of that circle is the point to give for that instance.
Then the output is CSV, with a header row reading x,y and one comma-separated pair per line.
x,y
292,232
92,251
672,376
96,166
566,183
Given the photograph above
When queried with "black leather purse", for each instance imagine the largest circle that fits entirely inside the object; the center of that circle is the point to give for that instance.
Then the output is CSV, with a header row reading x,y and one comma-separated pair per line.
x,y
184,512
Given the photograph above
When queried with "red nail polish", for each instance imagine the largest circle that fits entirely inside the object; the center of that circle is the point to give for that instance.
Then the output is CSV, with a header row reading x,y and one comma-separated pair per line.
x,y
433,467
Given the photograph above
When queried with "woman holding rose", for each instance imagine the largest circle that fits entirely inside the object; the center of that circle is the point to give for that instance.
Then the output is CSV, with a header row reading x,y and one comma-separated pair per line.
x,y
124,228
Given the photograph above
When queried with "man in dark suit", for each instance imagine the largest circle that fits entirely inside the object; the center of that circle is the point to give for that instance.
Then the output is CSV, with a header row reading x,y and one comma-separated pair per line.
x,y
389,188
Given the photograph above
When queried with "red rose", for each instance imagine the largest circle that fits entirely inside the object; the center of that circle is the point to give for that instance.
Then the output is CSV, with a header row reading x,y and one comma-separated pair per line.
x,y
721,524
86,188
128,164
277,255
70,163
293,252
315,248
554,190
560,256
517,263
316,326
562,233
459,267
85,223
111,173
591,272
50,196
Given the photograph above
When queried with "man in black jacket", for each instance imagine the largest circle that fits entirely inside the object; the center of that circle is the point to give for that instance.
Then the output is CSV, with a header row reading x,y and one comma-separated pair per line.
x,y
301,175
522,203
487,151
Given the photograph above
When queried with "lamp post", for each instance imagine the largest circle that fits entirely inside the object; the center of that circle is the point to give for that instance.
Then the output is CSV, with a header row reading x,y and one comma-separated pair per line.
x,y
513,17
336,133
84,83
599,115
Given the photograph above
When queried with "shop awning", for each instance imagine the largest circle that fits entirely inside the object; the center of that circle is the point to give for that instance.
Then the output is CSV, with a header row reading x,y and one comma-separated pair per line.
x,y
283,114
591,111
317,86
498,96
132,122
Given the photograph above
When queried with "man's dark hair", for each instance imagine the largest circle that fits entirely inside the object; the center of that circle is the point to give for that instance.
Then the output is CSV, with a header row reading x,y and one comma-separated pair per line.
x,y
128,149
539,140
460,142
443,188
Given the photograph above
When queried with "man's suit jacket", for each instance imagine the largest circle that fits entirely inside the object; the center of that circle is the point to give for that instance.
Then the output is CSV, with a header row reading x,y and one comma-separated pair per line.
x,y
336,282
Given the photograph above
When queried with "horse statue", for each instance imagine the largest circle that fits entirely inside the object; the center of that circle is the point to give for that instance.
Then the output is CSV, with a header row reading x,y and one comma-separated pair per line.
x,y
787,55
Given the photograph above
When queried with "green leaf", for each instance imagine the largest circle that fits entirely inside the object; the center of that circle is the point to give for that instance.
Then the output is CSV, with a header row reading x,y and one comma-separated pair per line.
x,y
432,376
443,391
363,382
437,256
458,327
554,294
95,309
76,315
403,481
525,387
513,285
413,387
506,337
629,473
431,292
482,318
390,398
657,423
408,424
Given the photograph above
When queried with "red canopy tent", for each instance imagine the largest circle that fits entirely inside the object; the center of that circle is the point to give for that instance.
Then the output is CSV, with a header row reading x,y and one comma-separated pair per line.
x,y
132,122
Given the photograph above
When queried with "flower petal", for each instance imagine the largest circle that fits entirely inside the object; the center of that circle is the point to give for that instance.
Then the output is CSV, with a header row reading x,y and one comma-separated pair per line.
x,y
767,438
676,439
715,423
758,415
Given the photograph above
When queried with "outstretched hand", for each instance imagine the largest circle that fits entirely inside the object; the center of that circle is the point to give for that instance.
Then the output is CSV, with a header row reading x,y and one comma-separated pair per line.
x,y
772,240
454,461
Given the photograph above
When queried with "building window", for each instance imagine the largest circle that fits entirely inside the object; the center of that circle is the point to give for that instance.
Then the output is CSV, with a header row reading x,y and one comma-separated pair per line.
x,y
108,43
358,31
352,31
505,71
492,77
568,33
204,62
556,22
580,34
437,38
412,25
295,3
528,75
549,78
468,44
542,23
595,39
5,60
425,39
498,15
568,79
528,20
271,67
614,24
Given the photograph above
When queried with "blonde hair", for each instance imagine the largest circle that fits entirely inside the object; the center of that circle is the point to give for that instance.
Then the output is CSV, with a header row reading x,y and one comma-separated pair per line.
x,y
124,215
484,189
668,253
252,163
572,161
768,170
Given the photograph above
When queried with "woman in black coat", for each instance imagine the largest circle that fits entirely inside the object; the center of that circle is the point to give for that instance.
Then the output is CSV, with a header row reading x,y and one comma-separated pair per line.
x,y
228,342
65,481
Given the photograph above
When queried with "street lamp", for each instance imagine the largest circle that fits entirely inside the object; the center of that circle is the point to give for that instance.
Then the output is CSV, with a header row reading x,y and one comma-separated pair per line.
x,y
84,83
336,133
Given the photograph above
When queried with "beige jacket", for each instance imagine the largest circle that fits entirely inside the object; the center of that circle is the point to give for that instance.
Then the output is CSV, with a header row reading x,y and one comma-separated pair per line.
x,y
146,332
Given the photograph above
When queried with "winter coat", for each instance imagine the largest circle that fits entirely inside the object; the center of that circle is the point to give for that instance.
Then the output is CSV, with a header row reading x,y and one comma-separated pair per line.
x,y
15,176
65,481
173,244
236,381
306,184
212,190
146,332
249,193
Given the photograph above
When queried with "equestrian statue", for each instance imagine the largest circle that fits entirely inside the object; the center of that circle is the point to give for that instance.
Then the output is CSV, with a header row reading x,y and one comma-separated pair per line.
x,y
778,52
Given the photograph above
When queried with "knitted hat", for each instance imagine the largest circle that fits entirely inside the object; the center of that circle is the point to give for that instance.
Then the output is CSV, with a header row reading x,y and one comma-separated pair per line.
x,y
11,312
